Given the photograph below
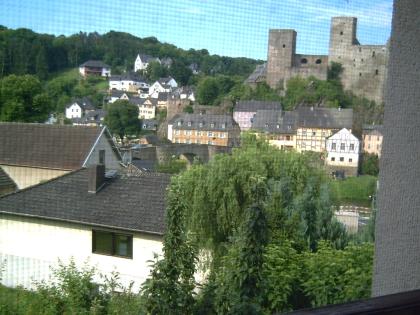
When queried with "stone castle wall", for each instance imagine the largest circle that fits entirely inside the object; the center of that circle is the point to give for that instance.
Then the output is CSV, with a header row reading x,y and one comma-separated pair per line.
x,y
364,66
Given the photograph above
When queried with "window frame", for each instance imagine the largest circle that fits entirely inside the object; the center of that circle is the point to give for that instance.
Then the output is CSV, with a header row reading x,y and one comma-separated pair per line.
x,y
114,236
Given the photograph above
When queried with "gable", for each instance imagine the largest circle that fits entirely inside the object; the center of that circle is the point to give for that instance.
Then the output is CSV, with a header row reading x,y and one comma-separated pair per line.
x,y
46,146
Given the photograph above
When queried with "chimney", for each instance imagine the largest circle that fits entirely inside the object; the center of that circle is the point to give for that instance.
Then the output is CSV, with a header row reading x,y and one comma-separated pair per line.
x,y
96,178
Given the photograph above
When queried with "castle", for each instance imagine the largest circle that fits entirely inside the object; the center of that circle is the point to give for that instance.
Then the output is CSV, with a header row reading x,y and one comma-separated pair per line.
x,y
364,66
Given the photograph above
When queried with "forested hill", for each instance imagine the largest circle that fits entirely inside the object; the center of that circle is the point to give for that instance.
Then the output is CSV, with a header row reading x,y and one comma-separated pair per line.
x,y
23,51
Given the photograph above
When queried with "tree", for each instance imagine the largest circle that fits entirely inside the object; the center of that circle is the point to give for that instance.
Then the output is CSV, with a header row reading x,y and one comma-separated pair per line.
x,y
41,64
207,91
155,71
180,73
370,164
21,99
122,119
170,288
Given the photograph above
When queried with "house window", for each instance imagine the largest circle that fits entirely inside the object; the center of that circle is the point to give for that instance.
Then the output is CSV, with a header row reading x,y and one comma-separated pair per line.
x,y
341,159
332,159
350,160
222,135
179,123
313,133
101,156
210,134
212,125
223,125
342,146
189,123
333,146
110,243
201,124
351,146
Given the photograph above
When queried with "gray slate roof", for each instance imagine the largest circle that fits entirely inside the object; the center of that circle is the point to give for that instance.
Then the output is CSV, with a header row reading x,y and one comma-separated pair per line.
x,y
83,102
147,58
134,203
46,146
164,81
258,75
373,129
253,106
207,121
130,76
274,121
334,118
94,64
5,180
97,116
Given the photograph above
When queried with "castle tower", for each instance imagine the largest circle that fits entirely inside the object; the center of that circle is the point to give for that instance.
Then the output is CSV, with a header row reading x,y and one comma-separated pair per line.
x,y
342,36
281,52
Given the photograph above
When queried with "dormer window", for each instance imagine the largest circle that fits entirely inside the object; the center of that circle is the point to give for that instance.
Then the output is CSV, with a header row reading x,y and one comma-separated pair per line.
x,y
266,125
278,126
201,124
212,125
189,124
179,123
223,125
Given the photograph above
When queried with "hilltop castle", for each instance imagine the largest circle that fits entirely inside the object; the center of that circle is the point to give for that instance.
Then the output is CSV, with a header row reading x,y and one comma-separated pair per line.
x,y
364,66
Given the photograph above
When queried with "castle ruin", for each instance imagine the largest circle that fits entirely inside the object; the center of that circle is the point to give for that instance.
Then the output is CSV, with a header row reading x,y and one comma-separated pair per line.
x,y
364,66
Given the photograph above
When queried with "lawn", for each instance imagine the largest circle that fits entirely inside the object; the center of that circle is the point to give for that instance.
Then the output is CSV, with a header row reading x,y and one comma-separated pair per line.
x,y
354,190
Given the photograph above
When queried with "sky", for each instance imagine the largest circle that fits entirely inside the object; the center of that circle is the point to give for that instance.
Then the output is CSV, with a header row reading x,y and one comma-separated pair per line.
x,y
224,27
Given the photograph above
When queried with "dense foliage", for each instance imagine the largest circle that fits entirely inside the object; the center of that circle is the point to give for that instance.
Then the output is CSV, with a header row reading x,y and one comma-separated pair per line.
x,y
265,220
122,119
23,51
370,164
354,189
23,99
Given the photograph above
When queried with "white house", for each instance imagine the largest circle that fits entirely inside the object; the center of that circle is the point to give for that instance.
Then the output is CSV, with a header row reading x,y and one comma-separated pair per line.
x,y
33,153
78,108
94,67
162,85
343,150
112,221
118,95
142,61
128,82
147,107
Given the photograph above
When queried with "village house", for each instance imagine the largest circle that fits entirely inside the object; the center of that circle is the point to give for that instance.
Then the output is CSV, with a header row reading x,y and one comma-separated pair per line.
x,y
92,118
118,95
343,153
78,108
113,221
162,85
33,153
147,107
219,130
162,100
187,93
142,61
149,124
277,127
194,68
166,62
244,111
315,125
94,67
129,82
372,139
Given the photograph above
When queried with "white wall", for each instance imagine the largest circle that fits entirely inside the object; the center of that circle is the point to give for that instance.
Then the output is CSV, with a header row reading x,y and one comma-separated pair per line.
x,y
349,154
111,159
74,111
29,176
30,246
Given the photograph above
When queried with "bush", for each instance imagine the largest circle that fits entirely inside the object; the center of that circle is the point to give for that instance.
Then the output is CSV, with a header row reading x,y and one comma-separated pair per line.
x,y
354,189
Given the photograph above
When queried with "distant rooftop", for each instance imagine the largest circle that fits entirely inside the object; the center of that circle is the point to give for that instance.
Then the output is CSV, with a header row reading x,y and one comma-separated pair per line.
x,y
94,64
253,106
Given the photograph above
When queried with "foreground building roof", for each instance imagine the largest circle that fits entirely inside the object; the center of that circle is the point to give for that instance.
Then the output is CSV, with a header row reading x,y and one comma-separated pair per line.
x,y
203,122
253,106
275,121
61,147
135,203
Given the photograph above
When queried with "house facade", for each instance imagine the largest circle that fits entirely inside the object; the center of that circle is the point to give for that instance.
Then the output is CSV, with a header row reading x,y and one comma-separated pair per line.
x,y
142,61
128,82
244,111
34,153
220,130
343,150
277,127
94,67
78,108
315,125
116,224
372,137
147,107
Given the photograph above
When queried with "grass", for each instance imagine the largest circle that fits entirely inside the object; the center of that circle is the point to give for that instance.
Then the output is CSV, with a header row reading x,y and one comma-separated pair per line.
x,y
354,190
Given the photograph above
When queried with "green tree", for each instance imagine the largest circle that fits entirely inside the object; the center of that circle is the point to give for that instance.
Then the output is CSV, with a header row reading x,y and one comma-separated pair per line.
x,y
41,64
122,119
155,71
207,91
370,164
180,73
21,99
170,288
